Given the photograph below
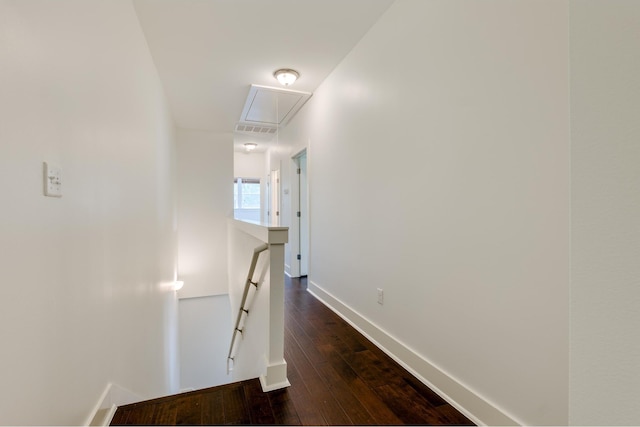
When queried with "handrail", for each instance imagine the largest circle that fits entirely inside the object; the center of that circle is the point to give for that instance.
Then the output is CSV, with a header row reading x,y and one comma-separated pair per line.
x,y
254,261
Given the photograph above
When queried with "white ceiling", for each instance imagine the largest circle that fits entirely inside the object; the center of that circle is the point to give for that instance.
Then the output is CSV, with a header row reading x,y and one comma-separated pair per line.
x,y
209,52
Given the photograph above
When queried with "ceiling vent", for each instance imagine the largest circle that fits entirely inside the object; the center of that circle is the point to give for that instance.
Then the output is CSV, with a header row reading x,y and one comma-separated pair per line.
x,y
256,130
271,107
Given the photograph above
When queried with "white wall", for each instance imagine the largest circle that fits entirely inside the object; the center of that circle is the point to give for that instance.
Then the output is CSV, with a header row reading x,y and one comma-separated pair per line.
x,y
249,165
205,201
439,171
85,297
205,334
605,293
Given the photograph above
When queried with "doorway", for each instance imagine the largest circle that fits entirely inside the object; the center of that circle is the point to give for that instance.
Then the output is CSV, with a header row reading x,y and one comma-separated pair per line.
x,y
303,213
273,211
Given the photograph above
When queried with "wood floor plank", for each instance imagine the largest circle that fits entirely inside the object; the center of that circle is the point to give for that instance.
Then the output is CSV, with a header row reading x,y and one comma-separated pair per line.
x,y
321,397
408,411
302,399
351,340
410,407
165,414
303,340
235,406
212,411
344,395
120,417
189,410
368,367
147,416
365,395
260,411
423,390
283,409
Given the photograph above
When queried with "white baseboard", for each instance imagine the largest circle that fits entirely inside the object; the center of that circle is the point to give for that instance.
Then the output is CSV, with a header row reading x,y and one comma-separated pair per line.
x,y
106,406
286,273
104,416
469,403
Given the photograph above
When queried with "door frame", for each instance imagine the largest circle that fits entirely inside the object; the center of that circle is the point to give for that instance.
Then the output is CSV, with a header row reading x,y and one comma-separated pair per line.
x,y
274,202
295,228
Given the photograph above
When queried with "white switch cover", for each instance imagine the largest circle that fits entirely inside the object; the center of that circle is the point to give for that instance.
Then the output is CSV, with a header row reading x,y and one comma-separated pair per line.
x,y
52,181
380,296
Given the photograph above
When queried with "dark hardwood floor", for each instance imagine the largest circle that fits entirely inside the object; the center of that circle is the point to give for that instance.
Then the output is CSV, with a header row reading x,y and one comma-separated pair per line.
x,y
337,377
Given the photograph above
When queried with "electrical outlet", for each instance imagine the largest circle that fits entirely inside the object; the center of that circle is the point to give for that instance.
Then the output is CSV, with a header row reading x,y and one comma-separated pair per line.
x,y
380,296
52,180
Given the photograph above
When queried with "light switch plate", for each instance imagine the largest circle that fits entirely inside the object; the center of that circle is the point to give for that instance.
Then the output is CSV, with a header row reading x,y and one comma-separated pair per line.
x,y
52,180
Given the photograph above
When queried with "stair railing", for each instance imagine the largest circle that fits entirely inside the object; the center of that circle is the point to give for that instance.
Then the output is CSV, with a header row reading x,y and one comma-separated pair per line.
x,y
243,311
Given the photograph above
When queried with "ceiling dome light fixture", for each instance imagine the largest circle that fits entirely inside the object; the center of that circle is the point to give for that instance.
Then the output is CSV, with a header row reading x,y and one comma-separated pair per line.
x,y
286,76
250,146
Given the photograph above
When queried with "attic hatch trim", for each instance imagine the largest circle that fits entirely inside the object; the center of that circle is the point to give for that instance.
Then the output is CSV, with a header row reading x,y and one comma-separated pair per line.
x,y
259,108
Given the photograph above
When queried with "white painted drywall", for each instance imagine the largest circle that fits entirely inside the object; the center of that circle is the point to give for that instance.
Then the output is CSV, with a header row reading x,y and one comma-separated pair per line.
x,y
205,334
249,165
605,148
85,295
205,201
439,161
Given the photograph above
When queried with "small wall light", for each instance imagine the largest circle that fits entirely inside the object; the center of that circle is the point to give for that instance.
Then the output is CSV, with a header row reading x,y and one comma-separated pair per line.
x,y
286,76
177,285
250,146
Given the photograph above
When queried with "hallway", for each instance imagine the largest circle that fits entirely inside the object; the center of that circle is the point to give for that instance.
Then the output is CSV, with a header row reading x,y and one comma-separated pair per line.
x,y
337,377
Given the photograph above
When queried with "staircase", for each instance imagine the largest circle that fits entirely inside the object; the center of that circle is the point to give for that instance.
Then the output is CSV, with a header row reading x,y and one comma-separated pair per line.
x,y
238,403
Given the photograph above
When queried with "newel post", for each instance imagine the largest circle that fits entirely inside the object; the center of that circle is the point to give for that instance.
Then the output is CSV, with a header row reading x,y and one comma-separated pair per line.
x,y
275,376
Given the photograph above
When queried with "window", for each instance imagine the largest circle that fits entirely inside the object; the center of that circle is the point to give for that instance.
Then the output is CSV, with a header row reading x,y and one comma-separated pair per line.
x,y
246,198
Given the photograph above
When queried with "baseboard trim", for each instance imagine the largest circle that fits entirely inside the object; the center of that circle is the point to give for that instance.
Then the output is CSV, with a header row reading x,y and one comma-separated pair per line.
x,y
104,416
106,406
100,405
471,404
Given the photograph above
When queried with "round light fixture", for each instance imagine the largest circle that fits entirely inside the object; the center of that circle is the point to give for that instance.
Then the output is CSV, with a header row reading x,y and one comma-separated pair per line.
x,y
250,146
286,76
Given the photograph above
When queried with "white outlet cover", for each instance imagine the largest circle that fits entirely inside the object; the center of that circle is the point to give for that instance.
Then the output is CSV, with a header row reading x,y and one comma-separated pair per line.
x,y
52,180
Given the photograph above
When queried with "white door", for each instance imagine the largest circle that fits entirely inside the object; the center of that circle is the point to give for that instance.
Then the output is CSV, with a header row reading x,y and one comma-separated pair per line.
x,y
304,215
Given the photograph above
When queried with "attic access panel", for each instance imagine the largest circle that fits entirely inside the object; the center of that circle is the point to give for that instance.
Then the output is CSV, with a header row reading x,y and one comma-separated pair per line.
x,y
272,106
